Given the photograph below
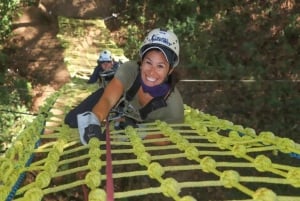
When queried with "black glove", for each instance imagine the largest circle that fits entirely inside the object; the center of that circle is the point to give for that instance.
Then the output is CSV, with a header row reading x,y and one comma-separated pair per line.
x,y
89,127
127,122
93,130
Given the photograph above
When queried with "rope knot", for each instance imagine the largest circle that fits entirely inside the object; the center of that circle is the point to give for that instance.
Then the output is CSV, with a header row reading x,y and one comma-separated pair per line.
x,y
170,187
34,194
262,163
239,150
97,195
93,179
293,177
223,142
267,138
94,164
155,170
285,145
208,164
230,178
144,158
192,153
43,179
264,194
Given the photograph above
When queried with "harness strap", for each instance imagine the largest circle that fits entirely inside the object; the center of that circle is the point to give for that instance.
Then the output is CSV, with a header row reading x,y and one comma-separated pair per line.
x,y
154,104
134,88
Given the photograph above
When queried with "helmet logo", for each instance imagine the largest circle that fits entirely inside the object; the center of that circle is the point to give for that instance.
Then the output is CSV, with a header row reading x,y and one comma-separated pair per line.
x,y
156,38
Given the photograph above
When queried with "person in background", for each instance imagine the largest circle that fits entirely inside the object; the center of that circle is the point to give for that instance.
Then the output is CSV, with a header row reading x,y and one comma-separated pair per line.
x,y
147,85
105,63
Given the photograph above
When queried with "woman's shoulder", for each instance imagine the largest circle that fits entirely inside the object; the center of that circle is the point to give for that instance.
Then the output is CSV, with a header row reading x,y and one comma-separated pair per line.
x,y
129,64
128,68
127,73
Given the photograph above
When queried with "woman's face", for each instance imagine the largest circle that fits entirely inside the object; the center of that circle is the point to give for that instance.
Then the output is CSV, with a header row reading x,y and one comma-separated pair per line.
x,y
155,68
107,65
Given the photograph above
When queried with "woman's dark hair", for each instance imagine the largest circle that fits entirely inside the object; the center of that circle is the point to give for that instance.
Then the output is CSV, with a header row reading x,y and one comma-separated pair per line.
x,y
173,79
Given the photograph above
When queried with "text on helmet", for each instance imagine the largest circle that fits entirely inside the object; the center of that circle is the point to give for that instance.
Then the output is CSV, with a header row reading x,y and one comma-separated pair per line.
x,y
156,38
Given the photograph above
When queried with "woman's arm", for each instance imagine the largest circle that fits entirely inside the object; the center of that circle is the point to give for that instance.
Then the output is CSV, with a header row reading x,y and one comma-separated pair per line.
x,y
112,93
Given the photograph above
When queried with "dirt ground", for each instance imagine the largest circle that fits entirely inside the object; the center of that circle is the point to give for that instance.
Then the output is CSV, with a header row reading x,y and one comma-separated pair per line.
x,y
35,52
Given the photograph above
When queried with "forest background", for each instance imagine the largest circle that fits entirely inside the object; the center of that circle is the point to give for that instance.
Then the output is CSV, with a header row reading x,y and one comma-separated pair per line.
x,y
244,54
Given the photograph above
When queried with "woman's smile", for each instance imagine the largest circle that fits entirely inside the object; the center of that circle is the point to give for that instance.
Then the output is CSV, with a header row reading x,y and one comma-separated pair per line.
x,y
154,68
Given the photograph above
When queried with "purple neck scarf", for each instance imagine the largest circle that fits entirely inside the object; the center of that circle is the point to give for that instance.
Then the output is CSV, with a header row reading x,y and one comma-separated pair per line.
x,y
156,91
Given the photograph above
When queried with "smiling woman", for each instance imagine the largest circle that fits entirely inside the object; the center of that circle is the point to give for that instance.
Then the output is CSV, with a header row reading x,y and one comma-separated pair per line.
x,y
148,87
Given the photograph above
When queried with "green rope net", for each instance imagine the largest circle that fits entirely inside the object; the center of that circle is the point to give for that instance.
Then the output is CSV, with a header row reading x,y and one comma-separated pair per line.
x,y
205,157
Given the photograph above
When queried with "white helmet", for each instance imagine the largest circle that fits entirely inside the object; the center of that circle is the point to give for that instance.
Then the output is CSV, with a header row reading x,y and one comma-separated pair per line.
x,y
105,55
164,40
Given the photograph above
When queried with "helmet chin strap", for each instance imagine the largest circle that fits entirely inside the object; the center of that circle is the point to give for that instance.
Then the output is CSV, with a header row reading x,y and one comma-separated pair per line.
x,y
156,91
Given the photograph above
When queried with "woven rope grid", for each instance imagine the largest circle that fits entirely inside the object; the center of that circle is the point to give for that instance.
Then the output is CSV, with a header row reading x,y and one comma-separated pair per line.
x,y
209,151
206,154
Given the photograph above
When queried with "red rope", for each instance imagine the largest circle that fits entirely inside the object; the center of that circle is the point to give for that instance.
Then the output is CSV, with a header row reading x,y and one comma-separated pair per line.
x,y
109,179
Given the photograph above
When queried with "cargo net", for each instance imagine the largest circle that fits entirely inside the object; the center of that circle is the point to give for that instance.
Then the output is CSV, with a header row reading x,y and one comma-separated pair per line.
x,y
207,158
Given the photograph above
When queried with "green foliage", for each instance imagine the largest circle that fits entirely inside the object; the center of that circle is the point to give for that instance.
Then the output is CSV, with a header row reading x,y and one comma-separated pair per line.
x,y
7,10
233,40
132,42
14,103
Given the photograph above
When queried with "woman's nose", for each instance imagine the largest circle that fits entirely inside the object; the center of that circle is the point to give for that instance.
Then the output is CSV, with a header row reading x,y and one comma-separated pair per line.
x,y
152,70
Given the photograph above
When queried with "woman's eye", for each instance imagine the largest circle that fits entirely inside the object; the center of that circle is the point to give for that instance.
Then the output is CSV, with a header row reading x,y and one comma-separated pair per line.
x,y
161,66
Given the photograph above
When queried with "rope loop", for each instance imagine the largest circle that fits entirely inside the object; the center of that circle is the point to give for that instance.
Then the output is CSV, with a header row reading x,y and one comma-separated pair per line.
x,y
53,155
93,179
234,135
239,150
144,158
293,177
138,148
202,130
34,194
94,164
223,142
176,137
251,132
192,153
262,163
285,145
94,142
60,145
266,137
94,152
230,178
43,179
155,170
183,144
208,164
97,195
170,187
4,191
6,170
212,136
264,194
51,166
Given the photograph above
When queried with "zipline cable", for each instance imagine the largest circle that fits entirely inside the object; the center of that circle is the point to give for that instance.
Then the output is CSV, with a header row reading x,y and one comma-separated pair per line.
x,y
16,112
